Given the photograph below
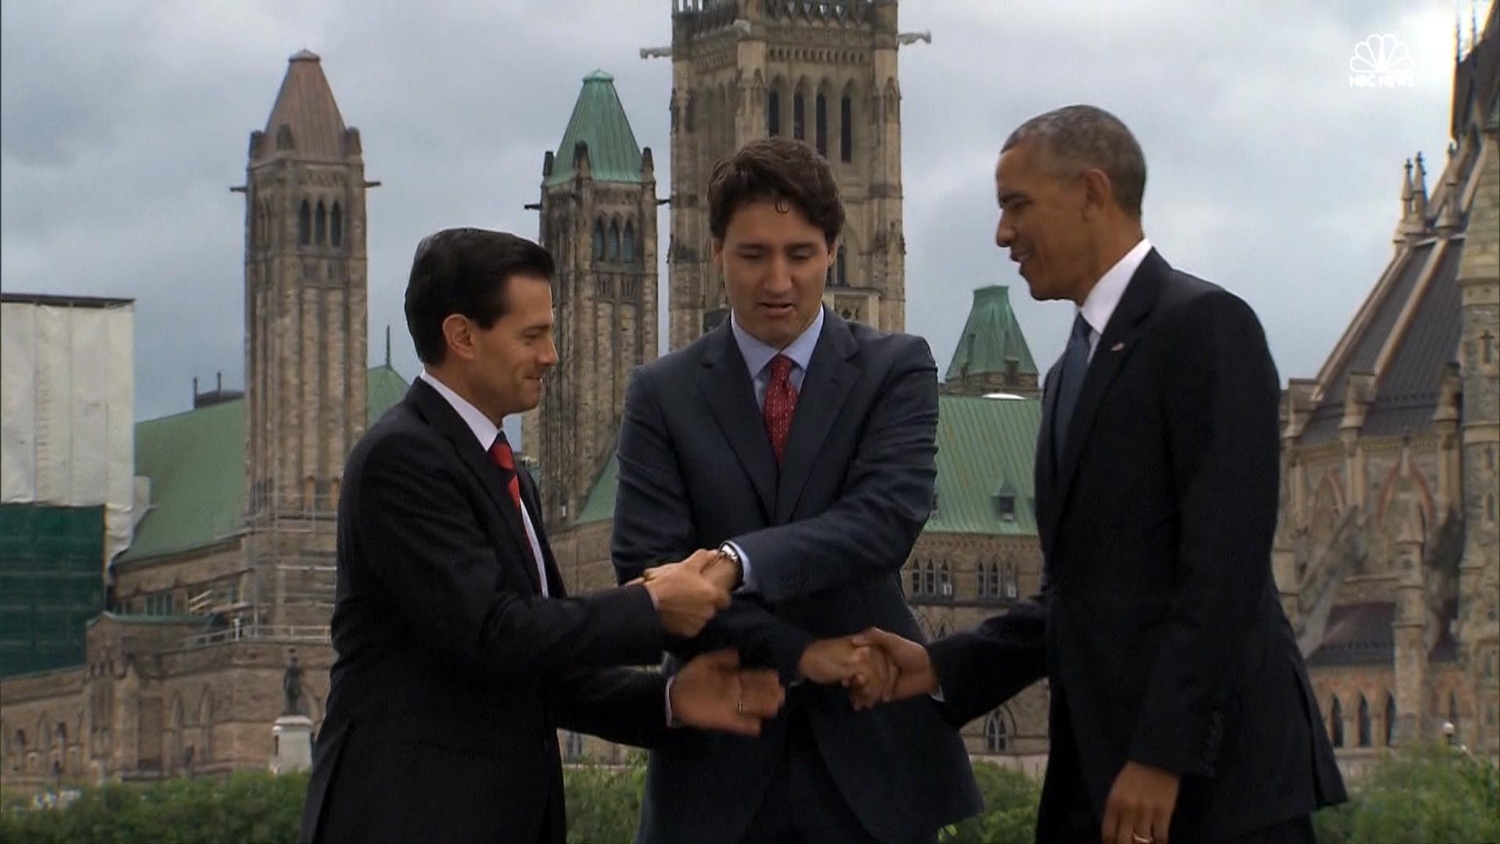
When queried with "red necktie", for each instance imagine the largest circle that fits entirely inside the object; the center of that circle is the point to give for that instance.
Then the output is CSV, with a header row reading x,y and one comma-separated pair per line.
x,y
503,457
780,404
506,459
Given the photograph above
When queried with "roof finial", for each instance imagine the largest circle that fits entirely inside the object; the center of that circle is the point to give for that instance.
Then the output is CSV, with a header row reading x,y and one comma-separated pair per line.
x,y
388,345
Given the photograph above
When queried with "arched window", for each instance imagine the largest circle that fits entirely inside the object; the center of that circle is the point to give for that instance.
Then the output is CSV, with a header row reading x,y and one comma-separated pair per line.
x,y
840,269
846,128
820,124
1336,723
629,241
1364,722
945,580
799,127
599,240
1012,583
773,112
322,224
304,224
336,226
614,241
916,578
929,578
996,736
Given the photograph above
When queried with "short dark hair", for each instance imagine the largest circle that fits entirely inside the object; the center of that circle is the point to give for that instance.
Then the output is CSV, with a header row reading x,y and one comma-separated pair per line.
x,y
780,169
465,271
1083,137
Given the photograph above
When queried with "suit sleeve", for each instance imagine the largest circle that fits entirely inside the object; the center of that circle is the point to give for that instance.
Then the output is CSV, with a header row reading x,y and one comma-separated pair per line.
x,y
885,501
423,543
1220,394
654,525
980,669
622,705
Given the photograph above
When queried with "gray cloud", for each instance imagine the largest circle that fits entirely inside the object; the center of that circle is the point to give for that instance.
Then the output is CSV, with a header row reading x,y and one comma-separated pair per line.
x,y
121,130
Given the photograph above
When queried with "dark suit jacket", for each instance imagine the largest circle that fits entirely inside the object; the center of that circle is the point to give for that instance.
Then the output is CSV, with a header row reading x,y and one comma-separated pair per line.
x,y
826,535
1159,626
452,672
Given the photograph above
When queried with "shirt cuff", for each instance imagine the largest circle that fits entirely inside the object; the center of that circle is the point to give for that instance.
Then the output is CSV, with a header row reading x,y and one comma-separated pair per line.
x,y
937,695
671,719
747,574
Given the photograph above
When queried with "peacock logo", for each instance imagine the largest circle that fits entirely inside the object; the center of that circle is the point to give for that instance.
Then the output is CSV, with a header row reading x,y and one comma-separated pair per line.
x,y
1381,61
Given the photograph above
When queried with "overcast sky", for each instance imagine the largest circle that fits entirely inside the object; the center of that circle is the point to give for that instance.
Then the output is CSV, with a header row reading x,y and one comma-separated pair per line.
x,y
123,124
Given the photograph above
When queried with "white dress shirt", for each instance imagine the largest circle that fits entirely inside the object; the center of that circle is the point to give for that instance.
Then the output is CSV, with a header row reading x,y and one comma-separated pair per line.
x,y
1101,302
486,432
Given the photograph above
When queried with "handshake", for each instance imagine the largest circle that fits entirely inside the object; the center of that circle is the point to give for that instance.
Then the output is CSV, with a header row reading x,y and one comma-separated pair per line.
x,y
875,666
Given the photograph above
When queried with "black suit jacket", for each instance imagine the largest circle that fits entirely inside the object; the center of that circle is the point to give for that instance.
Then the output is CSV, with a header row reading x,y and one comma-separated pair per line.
x,y
826,535
452,672
1159,625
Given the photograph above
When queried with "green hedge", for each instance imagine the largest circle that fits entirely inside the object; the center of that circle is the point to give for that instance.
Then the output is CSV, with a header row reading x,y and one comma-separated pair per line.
x,y
1426,795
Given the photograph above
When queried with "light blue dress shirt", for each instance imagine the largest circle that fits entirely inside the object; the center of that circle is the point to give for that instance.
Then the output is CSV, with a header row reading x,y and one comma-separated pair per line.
x,y
758,357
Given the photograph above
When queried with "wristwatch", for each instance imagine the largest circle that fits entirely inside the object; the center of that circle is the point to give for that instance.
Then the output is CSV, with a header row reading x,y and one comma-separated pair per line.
x,y
728,550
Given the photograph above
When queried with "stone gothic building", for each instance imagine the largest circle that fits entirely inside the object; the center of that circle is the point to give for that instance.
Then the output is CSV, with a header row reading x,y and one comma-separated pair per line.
x,y
1387,551
231,566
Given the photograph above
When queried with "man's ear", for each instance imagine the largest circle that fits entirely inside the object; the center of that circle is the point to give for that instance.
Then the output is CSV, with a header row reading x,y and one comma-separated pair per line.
x,y
458,333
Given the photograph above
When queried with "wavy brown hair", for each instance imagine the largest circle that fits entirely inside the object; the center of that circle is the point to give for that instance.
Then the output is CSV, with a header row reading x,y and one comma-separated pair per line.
x,y
779,169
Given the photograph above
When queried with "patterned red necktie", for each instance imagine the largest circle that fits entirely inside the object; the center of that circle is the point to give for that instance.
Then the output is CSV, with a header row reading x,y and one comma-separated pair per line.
x,y
780,404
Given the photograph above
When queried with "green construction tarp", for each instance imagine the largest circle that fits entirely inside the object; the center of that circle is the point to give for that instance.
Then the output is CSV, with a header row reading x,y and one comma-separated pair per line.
x,y
51,584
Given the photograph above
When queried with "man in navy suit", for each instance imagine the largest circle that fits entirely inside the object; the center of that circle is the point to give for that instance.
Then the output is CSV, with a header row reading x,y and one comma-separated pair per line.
x,y
1180,705
803,447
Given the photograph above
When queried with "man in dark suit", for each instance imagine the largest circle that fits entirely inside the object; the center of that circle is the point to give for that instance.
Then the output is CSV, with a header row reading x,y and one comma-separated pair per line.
x,y
803,446
459,653
1179,702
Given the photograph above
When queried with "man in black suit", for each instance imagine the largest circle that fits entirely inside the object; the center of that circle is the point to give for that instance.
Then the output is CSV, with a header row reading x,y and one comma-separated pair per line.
x,y
459,653
1179,702
803,446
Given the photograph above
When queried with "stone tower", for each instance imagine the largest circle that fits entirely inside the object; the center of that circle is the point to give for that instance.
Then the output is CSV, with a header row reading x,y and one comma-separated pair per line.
x,y
598,219
1476,131
825,73
305,339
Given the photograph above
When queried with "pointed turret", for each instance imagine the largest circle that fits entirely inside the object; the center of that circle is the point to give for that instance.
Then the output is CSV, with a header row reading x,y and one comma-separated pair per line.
x,y
599,123
992,354
305,122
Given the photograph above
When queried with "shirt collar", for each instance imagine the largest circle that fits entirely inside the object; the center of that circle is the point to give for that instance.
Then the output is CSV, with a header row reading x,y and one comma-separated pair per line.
x,y
1100,304
484,430
758,354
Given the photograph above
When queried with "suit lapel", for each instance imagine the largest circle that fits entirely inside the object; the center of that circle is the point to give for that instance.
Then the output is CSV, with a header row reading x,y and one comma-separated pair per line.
x,y
1046,460
1115,345
830,375
441,416
725,384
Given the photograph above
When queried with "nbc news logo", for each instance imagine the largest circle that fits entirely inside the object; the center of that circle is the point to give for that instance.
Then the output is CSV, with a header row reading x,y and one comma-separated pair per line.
x,y
1381,61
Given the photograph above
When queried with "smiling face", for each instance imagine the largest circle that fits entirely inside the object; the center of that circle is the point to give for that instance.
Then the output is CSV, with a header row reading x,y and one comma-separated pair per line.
x,y
503,365
775,264
1045,218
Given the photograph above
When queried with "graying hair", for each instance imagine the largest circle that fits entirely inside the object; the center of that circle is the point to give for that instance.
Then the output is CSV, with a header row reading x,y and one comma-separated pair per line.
x,y
1082,137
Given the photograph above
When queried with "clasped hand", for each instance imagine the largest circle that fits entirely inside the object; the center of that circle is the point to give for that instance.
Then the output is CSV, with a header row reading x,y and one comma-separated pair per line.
x,y
689,593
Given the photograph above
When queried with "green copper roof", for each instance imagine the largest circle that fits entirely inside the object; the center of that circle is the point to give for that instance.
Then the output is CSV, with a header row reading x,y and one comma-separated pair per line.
x,y
196,463
986,450
599,121
990,337
600,505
